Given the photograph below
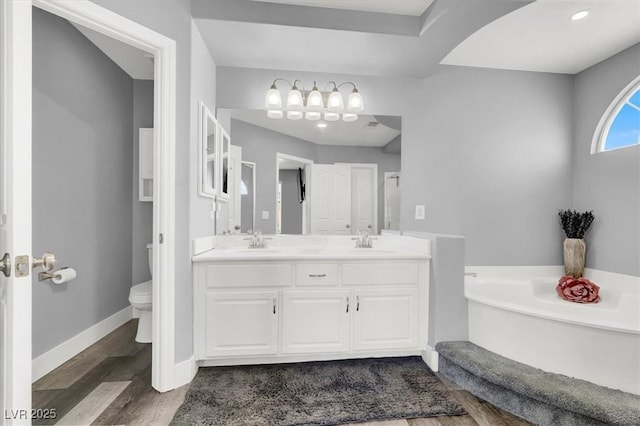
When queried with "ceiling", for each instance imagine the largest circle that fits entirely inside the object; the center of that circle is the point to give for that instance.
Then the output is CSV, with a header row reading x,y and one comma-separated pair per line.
x,y
267,35
398,7
542,37
356,133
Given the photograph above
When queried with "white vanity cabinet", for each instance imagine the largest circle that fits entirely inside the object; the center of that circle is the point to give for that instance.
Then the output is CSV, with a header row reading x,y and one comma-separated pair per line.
x,y
315,321
288,311
241,323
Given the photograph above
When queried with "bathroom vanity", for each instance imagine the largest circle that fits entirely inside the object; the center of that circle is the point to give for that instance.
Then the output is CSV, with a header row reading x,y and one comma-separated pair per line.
x,y
310,298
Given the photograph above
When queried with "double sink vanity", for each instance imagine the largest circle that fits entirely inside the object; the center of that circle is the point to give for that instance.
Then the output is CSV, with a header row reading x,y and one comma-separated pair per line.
x,y
306,298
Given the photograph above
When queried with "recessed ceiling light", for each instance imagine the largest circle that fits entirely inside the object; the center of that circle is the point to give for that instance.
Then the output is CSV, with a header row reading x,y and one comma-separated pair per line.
x,y
321,125
580,15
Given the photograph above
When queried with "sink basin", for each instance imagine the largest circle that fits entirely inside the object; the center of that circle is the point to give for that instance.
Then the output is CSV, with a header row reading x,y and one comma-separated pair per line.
x,y
369,251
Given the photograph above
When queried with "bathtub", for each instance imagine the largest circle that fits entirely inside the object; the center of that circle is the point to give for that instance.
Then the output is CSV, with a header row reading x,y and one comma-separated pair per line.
x,y
515,312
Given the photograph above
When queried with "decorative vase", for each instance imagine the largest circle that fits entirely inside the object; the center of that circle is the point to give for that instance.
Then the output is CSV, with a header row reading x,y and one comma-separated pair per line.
x,y
574,251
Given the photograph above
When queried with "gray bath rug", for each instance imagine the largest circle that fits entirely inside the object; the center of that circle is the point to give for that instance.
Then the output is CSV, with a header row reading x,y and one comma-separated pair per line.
x,y
315,393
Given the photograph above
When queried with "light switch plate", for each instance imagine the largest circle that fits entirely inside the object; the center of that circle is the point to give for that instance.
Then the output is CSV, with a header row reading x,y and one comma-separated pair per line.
x,y
265,214
420,212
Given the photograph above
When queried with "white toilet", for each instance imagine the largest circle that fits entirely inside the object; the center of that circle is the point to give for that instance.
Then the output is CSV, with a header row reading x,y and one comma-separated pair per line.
x,y
140,298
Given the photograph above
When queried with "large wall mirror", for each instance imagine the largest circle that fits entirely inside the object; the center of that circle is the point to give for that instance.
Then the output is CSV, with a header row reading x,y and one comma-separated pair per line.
x,y
314,177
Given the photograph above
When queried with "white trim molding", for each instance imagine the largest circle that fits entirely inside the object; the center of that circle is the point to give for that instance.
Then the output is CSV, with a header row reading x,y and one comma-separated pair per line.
x,y
430,357
163,49
185,371
66,350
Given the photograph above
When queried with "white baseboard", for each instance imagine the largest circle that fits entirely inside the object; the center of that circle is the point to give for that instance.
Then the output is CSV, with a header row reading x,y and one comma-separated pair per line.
x,y
57,356
430,357
185,371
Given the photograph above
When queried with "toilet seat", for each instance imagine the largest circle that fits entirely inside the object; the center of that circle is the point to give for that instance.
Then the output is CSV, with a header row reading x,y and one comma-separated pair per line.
x,y
141,293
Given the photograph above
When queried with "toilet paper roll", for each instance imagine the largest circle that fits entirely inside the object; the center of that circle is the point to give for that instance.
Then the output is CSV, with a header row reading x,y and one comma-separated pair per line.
x,y
64,275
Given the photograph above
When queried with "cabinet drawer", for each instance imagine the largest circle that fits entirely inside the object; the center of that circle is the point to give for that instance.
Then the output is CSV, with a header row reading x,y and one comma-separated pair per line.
x,y
318,274
368,273
249,275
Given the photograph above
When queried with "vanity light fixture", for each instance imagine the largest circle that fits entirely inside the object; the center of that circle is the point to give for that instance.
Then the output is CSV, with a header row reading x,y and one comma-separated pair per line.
x,y
581,14
314,104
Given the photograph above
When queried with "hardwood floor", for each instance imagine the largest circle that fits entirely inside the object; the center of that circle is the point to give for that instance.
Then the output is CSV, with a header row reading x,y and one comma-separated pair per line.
x,y
109,383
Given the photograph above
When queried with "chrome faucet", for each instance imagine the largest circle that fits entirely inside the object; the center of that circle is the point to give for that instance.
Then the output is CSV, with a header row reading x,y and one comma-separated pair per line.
x,y
364,240
257,241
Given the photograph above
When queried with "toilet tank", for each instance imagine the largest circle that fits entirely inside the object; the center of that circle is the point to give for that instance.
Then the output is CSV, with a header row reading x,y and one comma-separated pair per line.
x,y
150,257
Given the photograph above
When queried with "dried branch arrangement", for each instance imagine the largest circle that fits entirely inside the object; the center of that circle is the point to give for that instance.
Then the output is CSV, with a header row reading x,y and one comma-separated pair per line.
x,y
574,223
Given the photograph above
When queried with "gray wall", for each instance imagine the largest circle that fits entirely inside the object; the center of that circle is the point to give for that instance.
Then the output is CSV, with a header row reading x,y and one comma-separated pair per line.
x,y
173,19
488,152
291,208
261,145
609,182
82,180
142,211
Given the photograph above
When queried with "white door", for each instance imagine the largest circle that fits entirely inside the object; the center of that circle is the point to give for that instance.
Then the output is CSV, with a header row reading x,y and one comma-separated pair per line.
x,y
15,211
386,318
316,321
241,323
330,199
364,200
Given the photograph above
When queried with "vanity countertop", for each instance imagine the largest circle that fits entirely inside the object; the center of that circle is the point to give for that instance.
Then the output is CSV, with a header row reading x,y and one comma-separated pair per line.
x,y
308,253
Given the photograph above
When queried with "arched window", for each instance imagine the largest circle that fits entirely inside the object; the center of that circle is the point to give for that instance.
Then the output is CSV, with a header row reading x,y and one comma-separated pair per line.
x,y
620,125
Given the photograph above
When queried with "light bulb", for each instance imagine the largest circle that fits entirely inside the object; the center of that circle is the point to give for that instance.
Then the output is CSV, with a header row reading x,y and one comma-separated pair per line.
x,y
294,100
312,115
335,102
314,100
355,103
349,117
331,116
294,115
273,99
274,113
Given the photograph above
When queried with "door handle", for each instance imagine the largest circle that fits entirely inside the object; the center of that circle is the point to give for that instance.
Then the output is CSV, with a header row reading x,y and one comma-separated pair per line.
x,y
347,304
274,306
5,265
357,303
47,261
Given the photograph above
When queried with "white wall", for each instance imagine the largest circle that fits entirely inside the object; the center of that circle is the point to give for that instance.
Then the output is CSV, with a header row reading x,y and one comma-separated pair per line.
x,y
609,182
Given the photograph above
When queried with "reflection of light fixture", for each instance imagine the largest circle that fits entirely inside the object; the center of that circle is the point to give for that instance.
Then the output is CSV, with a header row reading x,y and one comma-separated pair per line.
x,y
313,104
580,15
322,125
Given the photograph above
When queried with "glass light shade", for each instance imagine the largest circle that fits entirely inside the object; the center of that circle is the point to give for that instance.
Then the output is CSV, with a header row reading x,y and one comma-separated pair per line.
x,y
295,115
273,99
331,116
349,117
355,103
294,100
274,113
312,115
314,100
335,102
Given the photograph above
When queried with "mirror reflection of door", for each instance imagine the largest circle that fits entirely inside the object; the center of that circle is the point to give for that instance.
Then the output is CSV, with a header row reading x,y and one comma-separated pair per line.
x,y
291,196
247,197
392,201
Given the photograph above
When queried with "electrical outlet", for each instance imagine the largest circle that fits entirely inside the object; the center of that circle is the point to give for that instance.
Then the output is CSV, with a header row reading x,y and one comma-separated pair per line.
x,y
265,214
420,212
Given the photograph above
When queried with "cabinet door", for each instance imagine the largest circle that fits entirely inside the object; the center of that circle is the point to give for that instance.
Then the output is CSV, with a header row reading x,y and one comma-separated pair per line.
x,y
385,318
241,323
316,321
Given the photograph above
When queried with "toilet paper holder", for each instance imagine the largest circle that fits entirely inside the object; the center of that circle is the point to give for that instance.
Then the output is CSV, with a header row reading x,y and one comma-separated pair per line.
x,y
42,276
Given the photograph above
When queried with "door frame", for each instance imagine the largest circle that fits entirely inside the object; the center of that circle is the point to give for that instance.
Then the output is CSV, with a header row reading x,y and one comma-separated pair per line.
x,y
305,205
97,18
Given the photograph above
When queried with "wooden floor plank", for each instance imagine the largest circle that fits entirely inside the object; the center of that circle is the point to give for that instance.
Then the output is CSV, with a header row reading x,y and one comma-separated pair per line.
x,y
483,412
87,410
465,420
68,398
120,342
398,422
131,366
